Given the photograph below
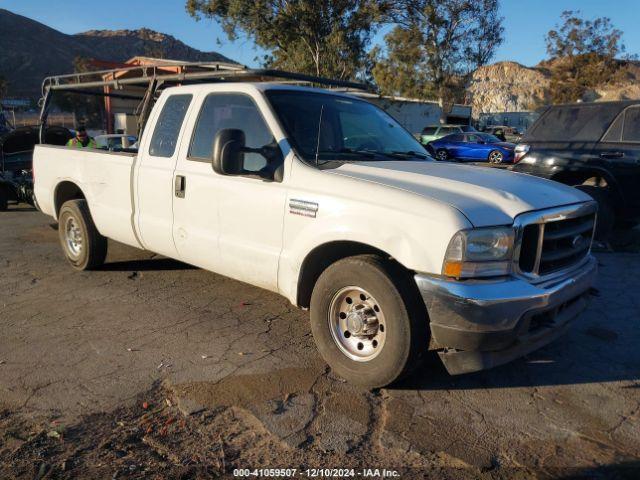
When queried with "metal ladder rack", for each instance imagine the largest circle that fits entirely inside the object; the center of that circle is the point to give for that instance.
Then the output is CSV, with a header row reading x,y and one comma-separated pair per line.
x,y
155,78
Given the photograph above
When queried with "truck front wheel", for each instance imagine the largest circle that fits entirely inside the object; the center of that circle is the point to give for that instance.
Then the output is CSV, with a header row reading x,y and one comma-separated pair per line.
x,y
368,321
81,242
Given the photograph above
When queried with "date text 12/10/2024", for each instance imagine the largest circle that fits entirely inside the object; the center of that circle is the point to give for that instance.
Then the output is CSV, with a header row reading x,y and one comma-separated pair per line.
x,y
316,473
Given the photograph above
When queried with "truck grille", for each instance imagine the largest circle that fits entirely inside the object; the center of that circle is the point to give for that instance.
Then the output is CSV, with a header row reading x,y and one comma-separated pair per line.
x,y
555,240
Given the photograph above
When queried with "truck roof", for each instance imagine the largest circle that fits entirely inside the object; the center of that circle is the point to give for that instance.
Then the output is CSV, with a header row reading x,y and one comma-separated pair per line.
x,y
261,86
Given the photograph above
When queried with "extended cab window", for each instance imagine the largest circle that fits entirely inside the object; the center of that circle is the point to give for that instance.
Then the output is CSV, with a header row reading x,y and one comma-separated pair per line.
x,y
165,135
221,111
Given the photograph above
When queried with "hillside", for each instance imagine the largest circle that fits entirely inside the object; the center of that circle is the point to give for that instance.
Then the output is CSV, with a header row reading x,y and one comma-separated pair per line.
x,y
511,87
30,51
507,86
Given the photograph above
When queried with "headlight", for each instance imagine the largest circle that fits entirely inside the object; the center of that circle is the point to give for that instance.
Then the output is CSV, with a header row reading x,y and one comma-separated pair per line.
x,y
481,252
520,151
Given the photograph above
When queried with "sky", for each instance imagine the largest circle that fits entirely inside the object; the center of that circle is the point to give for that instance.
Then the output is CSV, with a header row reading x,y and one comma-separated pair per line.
x,y
525,22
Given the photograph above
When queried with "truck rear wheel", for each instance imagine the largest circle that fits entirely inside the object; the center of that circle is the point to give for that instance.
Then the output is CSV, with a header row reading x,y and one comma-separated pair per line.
x,y
368,321
81,242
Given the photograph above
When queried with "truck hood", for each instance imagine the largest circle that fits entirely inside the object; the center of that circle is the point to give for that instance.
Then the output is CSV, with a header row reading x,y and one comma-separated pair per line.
x,y
486,196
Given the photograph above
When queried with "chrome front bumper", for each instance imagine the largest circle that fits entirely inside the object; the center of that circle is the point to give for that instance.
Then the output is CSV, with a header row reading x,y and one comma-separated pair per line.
x,y
484,323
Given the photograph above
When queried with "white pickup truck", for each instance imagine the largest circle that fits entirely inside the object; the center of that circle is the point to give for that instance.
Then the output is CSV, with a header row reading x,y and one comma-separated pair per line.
x,y
327,200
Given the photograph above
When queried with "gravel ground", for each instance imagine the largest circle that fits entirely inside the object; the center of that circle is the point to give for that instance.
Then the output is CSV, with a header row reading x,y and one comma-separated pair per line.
x,y
150,368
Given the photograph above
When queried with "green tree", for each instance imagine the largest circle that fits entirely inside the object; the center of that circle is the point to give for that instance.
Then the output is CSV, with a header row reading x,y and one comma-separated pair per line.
x,y
401,70
583,54
324,37
577,36
4,87
435,46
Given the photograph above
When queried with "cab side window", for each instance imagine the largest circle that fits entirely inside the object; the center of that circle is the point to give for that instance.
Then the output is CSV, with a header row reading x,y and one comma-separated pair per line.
x,y
221,111
165,135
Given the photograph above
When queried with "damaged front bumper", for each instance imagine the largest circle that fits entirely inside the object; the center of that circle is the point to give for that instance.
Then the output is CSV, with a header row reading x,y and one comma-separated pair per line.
x,y
485,323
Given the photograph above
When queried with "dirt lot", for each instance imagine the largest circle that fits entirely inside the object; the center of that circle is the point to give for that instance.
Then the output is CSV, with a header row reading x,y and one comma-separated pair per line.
x,y
151,368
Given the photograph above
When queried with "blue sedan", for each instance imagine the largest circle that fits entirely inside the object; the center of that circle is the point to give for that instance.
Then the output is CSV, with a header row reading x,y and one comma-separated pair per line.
x,y
473,147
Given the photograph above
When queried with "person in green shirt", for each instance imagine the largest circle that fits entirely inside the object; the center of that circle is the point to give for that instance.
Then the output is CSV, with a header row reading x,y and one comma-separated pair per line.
x,y
82,139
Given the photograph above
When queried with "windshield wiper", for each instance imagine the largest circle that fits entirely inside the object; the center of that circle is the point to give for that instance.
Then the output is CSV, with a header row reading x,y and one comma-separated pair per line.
x,y
350,151
372,154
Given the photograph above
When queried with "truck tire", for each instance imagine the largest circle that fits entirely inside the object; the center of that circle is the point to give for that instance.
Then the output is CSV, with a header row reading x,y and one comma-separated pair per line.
x,y
368,320
606,212
81,242
4,198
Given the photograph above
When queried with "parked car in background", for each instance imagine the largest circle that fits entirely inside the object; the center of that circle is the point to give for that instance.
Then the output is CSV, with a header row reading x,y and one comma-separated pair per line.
x,y
510,134
434,132
475,147
115,142
595,147
16,154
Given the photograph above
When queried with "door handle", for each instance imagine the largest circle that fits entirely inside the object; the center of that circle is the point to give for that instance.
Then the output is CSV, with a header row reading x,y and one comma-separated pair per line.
x,y
612,155
180,185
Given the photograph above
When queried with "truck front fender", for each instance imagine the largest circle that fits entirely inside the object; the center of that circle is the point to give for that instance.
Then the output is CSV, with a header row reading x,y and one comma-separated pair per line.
x,y
414,243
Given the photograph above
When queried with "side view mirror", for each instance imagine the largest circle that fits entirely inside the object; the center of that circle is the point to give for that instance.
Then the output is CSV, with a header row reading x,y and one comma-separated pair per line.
x,y
228,152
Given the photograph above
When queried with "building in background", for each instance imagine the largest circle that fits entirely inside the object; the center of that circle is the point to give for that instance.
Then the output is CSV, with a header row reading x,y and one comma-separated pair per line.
x,y
22,112
414,114
122,113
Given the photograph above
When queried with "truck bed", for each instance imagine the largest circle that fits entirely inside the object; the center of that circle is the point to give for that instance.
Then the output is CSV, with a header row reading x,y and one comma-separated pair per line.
x,y
105,178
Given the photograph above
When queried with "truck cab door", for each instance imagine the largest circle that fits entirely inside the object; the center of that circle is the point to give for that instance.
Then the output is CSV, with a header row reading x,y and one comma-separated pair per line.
x,y
231,225
155,173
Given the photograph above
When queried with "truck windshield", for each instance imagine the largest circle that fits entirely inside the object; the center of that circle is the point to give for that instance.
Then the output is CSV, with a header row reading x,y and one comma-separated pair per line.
x,y
326,127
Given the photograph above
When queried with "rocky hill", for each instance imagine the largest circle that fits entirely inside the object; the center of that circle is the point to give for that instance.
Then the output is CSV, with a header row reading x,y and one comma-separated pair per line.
x,y
511,87
507,86
30,51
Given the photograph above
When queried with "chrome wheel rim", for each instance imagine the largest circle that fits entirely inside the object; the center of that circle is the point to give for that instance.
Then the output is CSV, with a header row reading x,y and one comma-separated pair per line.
x,y
73,237
357,324
495,157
